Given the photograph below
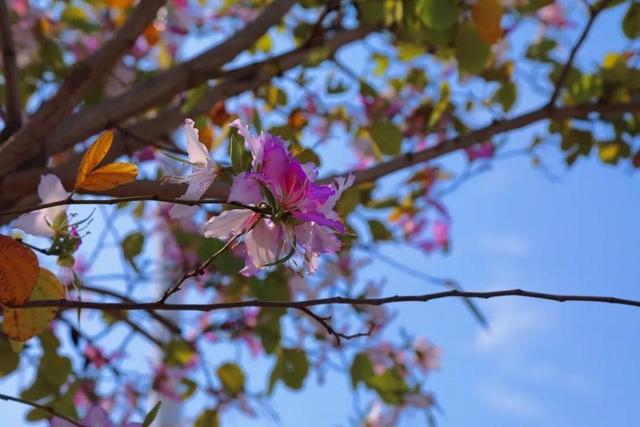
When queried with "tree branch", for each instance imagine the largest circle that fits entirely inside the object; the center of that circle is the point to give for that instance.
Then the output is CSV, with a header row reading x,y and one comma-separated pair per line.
x,y
161,88
42,407
235,82
298,305
13,119
27,142
572,55
497,127
22,182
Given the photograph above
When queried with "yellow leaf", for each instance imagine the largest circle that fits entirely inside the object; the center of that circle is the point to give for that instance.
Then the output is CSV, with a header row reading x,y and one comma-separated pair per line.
x,y
21,324
93,156
609,152
487,15
109,176
18,271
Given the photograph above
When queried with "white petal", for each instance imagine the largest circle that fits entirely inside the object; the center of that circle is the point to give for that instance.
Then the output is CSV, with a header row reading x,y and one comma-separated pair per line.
x,y
182,211
199,183
251,142
50,189
198,152
228,223
34,223
267,242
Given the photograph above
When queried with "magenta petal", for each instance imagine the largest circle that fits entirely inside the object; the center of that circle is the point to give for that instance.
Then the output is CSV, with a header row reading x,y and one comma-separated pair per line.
x,y
319,218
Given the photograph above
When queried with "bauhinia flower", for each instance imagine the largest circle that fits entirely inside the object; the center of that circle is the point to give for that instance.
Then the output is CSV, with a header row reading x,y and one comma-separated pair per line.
x,y
288,212
96,417
203,171
44,222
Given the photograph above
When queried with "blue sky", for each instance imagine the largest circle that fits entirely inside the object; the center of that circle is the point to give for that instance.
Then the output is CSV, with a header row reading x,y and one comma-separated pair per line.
x,y
540,363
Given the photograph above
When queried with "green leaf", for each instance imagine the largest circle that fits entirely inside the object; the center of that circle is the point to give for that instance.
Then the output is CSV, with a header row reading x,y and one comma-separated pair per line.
x,y
471,52
178,353
372,12
441,106
389,386
541,50
631,21
387,137
361,369
264,43
379,231
9,360
611,152
232,378
381,64
506,96
193,97
151,416
208,418
132,246
268,328
190,387
292,368
437,14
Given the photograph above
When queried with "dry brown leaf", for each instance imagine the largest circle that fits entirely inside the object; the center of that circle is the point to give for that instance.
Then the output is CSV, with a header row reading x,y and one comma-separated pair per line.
x,y
18,271
487,15
22,324
109,176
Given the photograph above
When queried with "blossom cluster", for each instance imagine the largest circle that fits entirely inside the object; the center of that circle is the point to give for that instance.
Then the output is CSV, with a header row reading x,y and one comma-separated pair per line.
x,y
286,216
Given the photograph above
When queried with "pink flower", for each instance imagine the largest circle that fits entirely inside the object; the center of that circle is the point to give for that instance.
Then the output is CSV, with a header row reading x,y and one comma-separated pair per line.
x,y
96,417
553,15
427,355
203,172
43,221
299,214
480,151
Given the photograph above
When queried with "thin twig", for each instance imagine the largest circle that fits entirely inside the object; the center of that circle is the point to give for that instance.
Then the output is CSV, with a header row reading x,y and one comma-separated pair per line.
x,y
198,271
42,407
158,305
572,55
116,200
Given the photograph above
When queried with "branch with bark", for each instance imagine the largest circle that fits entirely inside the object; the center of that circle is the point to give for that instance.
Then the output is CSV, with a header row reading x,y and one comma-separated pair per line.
x,y
162,306
27,142
13,110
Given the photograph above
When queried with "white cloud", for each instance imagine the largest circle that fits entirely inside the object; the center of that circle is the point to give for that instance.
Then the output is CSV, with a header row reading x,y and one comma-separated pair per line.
x,y
505,244
510,328
511,401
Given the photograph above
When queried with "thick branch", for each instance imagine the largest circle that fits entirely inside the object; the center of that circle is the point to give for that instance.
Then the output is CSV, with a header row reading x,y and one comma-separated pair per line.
x,y
10,72
235,82
497,127
298,305
28,141
163,87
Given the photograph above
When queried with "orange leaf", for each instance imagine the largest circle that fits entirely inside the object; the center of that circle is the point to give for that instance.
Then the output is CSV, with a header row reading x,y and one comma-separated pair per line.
x,y
119,4
18,271
93,157
487,15
109,176
152,34
21,324
218,114
206,136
